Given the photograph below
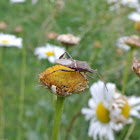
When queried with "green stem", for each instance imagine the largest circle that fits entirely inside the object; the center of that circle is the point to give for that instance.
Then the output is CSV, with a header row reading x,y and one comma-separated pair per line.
x,y
130,130
58,112
21,96
2,119
125,76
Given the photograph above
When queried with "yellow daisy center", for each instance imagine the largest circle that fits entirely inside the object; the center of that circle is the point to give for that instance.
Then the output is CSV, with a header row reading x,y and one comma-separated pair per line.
x,y
126,109
5,41
50,53
102,113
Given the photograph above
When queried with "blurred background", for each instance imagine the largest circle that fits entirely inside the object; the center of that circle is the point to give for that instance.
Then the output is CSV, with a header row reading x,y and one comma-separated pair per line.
x,y
97,26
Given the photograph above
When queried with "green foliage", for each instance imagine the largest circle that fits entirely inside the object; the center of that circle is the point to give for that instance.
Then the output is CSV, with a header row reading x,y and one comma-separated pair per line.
x,y
92,21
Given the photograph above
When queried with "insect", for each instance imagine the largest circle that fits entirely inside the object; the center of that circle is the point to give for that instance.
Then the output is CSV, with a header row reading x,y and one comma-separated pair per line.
x,y
80,66
77,65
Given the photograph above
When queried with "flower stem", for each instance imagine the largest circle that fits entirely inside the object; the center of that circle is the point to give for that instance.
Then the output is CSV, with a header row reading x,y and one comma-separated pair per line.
x,y
1,99
71,124
58,112
130,130
21,96
125,76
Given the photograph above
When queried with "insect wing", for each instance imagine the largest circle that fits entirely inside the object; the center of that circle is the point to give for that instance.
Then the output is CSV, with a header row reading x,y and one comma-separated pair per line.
x,y
65,62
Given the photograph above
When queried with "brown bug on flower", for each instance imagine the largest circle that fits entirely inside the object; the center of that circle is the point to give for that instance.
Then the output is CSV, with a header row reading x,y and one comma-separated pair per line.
x,y
77,65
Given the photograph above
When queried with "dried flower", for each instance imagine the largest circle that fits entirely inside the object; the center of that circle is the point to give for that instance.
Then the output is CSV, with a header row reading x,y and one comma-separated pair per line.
x,y
136,66
127,42
133,41
63,83
2,25
51,35
68,39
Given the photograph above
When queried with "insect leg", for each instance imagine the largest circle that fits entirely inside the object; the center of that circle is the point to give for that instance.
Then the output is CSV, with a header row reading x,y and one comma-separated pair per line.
x,y
68,55
89,76
59,70
94,71
82,76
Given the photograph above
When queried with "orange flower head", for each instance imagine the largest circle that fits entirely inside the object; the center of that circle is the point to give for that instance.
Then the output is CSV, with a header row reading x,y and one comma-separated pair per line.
x,y
63,81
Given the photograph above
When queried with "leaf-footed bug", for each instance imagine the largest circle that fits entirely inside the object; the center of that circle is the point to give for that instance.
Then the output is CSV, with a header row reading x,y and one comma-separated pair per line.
x,y
80,66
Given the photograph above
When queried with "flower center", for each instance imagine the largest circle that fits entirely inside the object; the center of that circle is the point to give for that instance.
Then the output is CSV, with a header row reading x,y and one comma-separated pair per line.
x,y
50,53
102,113
5,41
126,109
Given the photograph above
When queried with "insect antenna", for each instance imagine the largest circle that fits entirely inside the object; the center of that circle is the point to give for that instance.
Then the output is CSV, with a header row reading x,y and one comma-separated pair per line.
x,y
95,71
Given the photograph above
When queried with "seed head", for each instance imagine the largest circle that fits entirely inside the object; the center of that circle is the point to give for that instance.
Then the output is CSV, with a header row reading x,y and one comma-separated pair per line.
x,y
133,41
63,83
136,66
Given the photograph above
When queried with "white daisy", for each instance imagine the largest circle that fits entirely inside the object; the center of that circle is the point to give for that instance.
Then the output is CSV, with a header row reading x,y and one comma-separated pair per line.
x,y
135,16
98,112
17,1
10,40
109,111
124,108
34,2
121,43
130,3
49,52
115,4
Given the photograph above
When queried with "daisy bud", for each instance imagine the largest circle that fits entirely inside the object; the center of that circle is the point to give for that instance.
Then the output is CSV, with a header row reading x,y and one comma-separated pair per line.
x,y
2,25
97,44
63,83
51,35
18,29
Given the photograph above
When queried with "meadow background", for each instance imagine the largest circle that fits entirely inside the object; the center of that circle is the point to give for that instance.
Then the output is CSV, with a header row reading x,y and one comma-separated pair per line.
x,y
93,22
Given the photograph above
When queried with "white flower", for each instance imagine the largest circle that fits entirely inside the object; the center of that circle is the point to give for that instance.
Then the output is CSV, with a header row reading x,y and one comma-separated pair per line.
x,y
130,3
34,2
68,39
124,108
10,40
49,52
135,16
121,43
17,1
109,111
134,103
98,112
